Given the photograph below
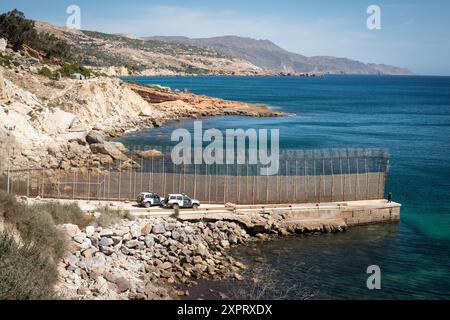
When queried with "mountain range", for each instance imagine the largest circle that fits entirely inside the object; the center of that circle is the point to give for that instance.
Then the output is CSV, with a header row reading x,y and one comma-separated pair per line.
x,y
228,55
267,55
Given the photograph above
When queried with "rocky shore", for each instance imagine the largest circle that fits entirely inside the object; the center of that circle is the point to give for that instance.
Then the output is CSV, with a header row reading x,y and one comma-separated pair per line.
x,y
158,258
147,258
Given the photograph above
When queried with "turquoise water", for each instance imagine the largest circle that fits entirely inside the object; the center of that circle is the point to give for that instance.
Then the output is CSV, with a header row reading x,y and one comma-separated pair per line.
x,y
408,115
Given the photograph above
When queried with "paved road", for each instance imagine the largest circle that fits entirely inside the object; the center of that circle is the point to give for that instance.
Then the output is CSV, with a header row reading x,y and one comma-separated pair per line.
x,y
91,206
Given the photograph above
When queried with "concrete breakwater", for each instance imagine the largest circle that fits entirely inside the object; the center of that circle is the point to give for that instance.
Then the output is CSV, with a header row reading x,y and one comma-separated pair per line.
x,y
150,258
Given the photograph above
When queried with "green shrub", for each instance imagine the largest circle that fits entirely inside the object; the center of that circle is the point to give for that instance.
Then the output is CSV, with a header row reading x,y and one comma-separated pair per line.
x,y
64,213
175,214
34,226
110,216
46,72
6,61
25,273
68,69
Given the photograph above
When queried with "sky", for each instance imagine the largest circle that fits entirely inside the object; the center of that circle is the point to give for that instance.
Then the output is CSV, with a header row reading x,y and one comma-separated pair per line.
x,y
414,34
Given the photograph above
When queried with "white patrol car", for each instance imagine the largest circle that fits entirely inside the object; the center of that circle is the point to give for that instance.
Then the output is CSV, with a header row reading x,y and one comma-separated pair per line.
x,y
177,201
149,199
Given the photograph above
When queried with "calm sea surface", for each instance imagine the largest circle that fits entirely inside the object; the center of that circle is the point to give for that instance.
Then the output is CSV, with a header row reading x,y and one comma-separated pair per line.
x,y
408,115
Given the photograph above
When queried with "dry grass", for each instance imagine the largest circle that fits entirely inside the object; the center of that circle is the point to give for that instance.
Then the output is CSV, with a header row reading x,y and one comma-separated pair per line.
x,y
109,216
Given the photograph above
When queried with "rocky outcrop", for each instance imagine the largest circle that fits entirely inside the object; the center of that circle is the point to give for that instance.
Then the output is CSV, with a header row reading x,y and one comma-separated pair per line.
x,y
50,124
147,258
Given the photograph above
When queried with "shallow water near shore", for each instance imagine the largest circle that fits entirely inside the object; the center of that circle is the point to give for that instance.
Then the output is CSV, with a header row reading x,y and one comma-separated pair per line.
x,y
408,115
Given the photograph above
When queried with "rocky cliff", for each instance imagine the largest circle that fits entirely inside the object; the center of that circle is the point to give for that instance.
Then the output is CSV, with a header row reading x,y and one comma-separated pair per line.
x,y
61,124
121,55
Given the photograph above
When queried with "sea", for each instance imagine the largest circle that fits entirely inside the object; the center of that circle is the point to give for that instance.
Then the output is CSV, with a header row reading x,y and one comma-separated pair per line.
x,y
409,116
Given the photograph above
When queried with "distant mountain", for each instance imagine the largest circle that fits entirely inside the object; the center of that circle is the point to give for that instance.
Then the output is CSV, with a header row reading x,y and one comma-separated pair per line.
x,y
267,55
124,54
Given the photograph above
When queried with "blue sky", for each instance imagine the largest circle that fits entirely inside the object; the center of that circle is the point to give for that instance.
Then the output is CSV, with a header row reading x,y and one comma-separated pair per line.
x,y
415,33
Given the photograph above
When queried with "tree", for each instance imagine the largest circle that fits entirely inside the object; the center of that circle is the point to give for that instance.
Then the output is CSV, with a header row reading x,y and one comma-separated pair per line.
x,y
21,31
16,28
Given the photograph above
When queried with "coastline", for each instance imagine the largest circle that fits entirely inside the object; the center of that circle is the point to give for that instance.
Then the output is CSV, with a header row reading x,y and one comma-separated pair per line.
x,y
178,253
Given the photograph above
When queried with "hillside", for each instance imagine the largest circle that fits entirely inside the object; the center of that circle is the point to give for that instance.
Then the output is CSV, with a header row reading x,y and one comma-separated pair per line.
x,y
151,57
267,55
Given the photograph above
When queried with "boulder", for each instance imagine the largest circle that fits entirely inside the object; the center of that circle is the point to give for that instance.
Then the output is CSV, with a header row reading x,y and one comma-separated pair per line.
x,y
146,229
70,229
94,137
106,233
108,149
122,284
135,231
90,230
101,285
105,242
132,244
159,229
129,165
165,266
149,154
121,147
58,121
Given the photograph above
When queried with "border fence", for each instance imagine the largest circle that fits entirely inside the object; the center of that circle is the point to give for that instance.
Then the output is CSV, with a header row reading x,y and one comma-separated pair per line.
x,y
305,176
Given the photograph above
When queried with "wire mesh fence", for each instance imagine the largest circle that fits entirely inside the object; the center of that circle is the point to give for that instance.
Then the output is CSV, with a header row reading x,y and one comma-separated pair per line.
x,y
304,176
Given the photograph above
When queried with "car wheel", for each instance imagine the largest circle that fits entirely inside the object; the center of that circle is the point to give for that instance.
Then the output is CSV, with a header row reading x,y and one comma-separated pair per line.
x,y
195,206
147,205
176,206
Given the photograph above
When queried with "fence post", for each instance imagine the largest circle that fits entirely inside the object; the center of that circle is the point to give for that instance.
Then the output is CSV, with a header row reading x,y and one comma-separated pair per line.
x,y
238,185
207,185
295,181
8,173
151,177
267,188
89,183
332,180
195,181
142,175
349,177
357,179
367,179
98,183
253,184
286,182
379,179
306,181
323,177
342,180
43,184
119,185
315,180
28,184
165,176
225,186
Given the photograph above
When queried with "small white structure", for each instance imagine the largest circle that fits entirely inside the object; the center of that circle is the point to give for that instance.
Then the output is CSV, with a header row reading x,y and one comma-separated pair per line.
x,y
77,76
